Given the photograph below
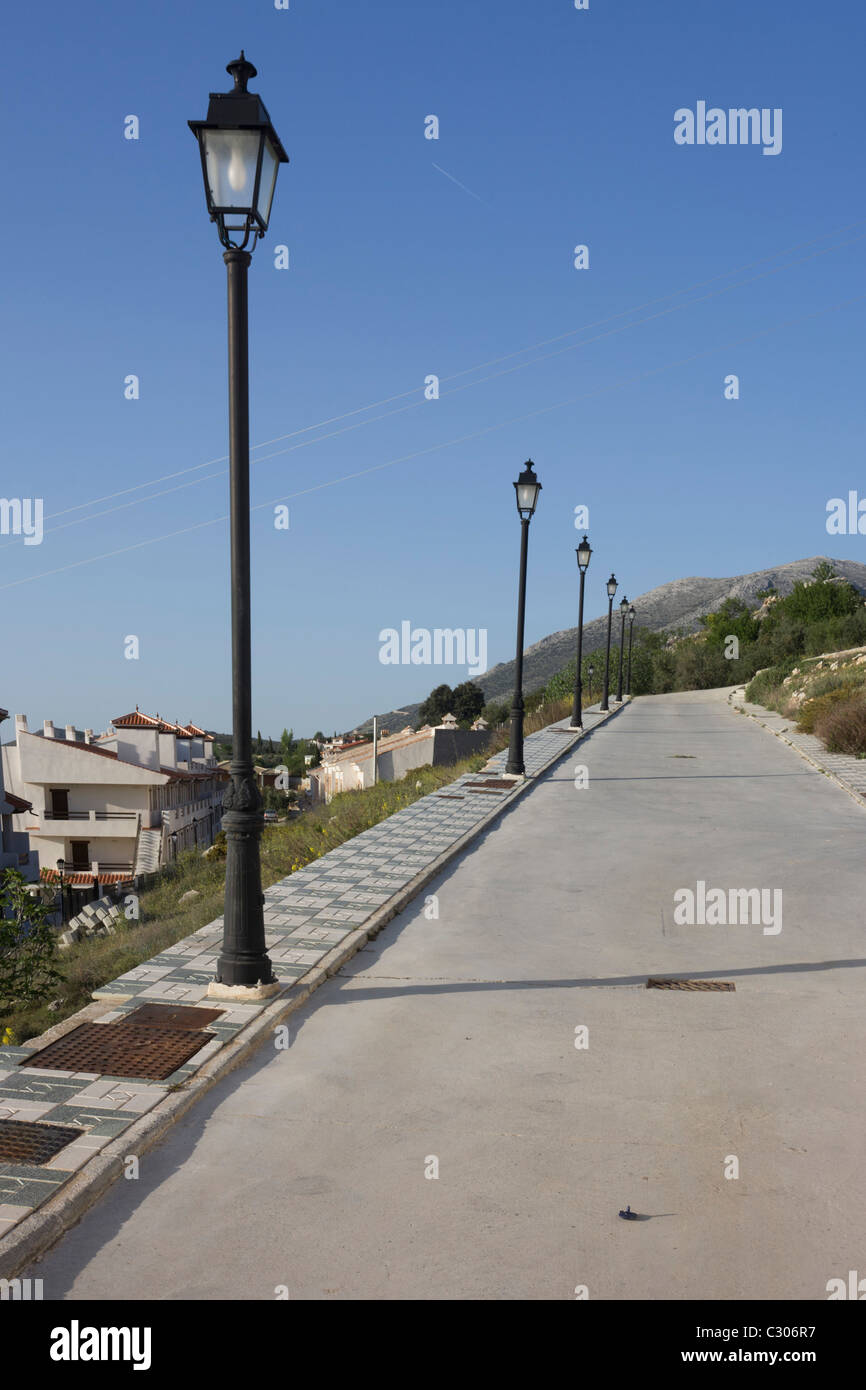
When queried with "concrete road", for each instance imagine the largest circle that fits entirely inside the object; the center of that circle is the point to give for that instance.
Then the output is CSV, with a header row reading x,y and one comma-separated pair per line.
x,y
453,1040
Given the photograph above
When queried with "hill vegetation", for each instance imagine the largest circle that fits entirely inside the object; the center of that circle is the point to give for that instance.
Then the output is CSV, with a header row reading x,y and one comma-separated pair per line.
x,y
802,653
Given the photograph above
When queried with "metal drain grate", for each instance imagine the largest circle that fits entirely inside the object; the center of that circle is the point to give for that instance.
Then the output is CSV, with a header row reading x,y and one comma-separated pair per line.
x,y
108,1050
25,1141
495,783
449,796
689,984
182,1016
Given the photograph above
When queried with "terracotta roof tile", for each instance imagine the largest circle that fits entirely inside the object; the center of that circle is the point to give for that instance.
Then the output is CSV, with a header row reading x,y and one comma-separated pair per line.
x,y
139,720
84,880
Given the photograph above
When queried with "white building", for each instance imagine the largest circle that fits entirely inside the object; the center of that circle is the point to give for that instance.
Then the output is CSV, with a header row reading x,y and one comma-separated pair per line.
x,y
350,767
15,851
111,807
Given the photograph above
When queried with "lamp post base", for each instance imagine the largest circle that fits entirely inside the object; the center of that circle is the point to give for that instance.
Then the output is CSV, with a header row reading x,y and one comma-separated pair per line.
x,y
242,994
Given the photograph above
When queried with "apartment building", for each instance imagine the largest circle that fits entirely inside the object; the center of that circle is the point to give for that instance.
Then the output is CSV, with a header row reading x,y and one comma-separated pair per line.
x,y
107,808
15,851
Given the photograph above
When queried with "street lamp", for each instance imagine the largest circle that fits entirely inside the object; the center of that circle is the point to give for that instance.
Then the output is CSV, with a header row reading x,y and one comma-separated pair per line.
x,y
630,639
584,553
527,489
240,152
591,671
611,590
623,609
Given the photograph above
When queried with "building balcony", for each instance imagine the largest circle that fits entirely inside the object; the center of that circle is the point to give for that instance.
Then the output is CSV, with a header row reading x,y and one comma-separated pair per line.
x,y
87,825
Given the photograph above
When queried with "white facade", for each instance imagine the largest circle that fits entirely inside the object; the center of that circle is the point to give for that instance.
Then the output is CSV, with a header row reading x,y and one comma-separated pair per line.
x,y
15,850
352,769
108,808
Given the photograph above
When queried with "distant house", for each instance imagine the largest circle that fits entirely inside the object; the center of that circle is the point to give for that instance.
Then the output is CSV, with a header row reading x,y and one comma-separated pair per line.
x,y
15,851
350,767
116,806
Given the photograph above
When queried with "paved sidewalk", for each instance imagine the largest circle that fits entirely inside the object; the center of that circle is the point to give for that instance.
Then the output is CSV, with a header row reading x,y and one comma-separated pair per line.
x,y
457,1040
307,915
847,771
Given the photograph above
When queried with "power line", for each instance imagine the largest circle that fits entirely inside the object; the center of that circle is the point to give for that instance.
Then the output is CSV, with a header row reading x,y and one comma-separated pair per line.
x,y
448,443
492,362
94,516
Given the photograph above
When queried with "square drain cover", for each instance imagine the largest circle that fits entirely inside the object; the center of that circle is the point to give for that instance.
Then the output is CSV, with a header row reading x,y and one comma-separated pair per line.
x,y
25,1141
688,984
108,1050
185,1016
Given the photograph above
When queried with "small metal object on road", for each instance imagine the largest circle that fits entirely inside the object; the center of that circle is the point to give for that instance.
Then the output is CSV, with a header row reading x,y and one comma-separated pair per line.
x,y
659,982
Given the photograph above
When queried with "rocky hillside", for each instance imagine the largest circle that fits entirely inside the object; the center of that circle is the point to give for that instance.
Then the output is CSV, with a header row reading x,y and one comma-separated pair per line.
x,y
678,604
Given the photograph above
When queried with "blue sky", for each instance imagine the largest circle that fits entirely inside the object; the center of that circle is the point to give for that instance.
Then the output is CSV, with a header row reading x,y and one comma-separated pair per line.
x,y
559,126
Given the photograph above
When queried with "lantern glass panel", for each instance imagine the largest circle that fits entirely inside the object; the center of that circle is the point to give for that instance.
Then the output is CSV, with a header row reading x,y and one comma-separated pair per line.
x,y
230,161
526,496
268,181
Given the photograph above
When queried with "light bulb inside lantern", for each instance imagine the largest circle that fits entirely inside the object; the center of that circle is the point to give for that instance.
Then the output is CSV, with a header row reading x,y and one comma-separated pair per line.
x,y
237,173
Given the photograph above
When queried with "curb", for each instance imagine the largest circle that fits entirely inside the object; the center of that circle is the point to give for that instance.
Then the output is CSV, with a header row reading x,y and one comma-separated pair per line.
x,y
37,1233
807,757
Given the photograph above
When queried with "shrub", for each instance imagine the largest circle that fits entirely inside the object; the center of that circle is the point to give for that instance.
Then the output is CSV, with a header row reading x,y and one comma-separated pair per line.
x,y
842,726
764,687
815,708
27,945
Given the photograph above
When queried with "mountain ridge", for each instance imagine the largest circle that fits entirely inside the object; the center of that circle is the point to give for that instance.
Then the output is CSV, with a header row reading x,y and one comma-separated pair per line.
x,y
679,603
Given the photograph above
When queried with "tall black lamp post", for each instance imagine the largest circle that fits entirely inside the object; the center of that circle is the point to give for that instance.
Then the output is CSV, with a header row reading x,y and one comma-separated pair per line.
x,y
584,553
630,639
611,590
623,609
590,670
527,489
240,154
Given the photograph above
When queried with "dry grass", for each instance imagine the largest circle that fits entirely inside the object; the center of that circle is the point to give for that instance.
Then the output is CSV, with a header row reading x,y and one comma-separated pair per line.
x,y
842,727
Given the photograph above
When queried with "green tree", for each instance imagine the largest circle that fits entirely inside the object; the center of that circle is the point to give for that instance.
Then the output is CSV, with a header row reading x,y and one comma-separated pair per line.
x,y
468,702
700,666
27,945
809,603
496,712
823,571
438,703
733,619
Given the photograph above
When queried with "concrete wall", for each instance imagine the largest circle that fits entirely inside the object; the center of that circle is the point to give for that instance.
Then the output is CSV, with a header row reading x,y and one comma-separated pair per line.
x,y
397,756
136,746
453,744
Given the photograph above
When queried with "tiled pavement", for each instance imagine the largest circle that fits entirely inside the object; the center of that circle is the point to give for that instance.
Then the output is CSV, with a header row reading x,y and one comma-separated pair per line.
x,y
306,915
851,772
